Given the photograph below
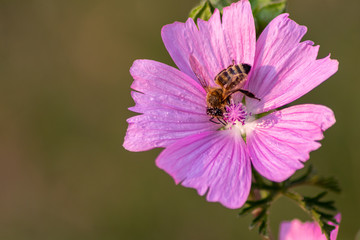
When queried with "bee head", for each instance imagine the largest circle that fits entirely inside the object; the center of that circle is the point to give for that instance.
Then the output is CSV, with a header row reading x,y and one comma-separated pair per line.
x,y
217,112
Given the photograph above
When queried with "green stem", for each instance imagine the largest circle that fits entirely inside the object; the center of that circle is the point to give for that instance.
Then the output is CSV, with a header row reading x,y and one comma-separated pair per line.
x,y
256,194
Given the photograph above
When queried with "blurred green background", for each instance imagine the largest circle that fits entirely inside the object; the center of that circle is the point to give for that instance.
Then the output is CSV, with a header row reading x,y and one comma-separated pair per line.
x,y
65,90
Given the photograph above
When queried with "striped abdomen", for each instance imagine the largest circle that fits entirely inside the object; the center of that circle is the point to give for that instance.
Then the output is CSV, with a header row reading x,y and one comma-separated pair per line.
x,y
232,76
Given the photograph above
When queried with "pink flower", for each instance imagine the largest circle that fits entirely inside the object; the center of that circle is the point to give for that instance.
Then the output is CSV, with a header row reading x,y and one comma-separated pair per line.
x,y
296,230
217,159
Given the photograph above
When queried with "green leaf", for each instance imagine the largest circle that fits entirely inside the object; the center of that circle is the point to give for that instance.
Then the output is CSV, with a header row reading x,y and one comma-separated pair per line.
x,y
267,13
206,8
329,183
252,205
263,10
220,4
259,218
266,10
263,227
309,178
260,210
202,11
257,5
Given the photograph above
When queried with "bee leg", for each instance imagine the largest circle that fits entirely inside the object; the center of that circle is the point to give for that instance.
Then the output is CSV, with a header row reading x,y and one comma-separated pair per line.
x,y
249,94
221,121
211,120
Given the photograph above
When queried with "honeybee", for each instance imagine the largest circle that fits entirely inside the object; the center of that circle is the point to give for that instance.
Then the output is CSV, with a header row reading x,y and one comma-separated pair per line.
x,y
230,80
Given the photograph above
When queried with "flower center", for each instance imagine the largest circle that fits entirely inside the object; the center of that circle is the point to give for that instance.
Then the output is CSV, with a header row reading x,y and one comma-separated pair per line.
x,y
239,120
235,113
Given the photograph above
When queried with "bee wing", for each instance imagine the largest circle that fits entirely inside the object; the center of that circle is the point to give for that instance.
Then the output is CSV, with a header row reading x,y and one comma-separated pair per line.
x,y
236,82
199,72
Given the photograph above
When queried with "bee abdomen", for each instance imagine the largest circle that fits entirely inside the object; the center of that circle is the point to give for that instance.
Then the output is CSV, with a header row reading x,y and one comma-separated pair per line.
x,y
227,75
236,81
222,78
240,68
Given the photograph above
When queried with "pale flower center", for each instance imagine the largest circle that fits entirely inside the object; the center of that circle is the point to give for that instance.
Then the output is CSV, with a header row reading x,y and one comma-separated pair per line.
x,y
238,118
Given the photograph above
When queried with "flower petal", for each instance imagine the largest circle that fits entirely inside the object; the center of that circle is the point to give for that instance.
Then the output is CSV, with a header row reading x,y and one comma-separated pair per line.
x,y
296,230
285,68
239,29
334,233
173,107
216,162
213,44
282,140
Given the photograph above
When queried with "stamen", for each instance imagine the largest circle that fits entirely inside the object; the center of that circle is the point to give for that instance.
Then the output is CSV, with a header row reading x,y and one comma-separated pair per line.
x,y
235,113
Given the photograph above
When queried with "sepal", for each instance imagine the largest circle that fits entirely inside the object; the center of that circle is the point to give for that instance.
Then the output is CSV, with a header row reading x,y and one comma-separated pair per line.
x,y
203,11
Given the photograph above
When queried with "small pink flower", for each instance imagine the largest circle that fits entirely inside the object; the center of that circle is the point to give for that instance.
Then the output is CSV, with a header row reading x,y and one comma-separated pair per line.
x,y
296,230
217,159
